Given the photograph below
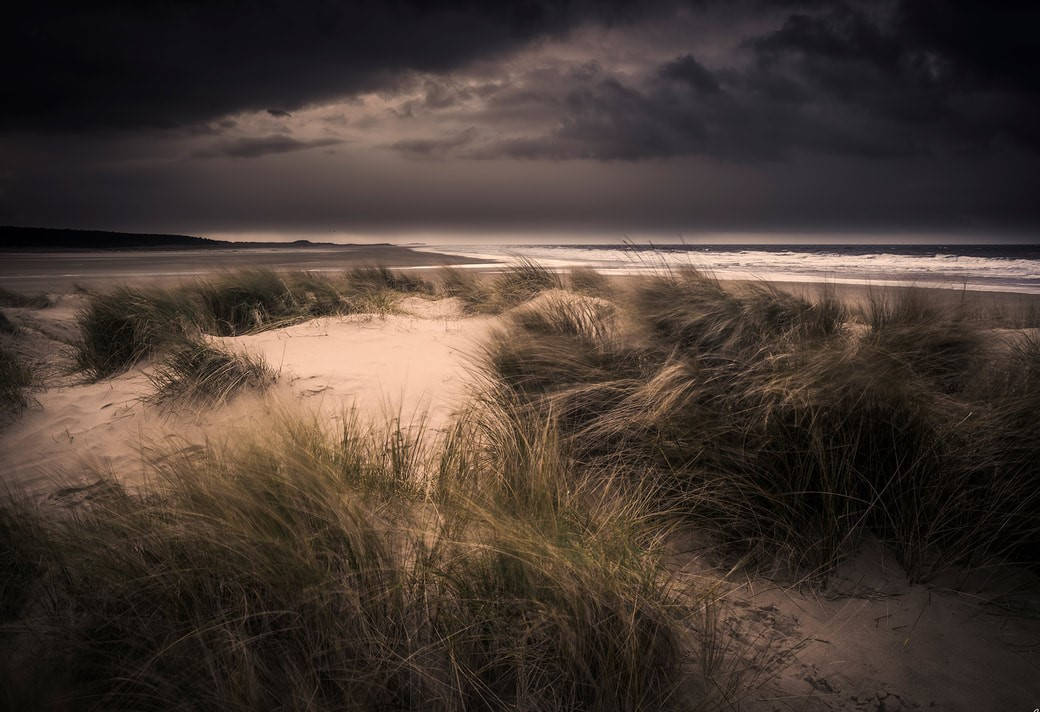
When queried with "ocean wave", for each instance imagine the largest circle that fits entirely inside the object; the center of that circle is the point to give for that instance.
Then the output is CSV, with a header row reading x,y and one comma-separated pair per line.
x,y
929,267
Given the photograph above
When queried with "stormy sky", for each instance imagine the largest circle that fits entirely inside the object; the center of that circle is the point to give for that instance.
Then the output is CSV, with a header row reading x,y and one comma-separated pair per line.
x,y
420,119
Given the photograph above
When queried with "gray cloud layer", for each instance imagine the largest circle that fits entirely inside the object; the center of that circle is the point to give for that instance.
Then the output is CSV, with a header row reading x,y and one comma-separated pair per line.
x,y
673,114
839,80
122,65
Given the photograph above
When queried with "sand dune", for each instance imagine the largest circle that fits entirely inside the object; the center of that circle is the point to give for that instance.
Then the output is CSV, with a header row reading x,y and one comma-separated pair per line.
x,y
868,640
410,365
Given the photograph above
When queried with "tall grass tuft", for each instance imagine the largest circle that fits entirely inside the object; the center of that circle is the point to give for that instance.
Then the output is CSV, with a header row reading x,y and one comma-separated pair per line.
x,y
288,570
9,298
247,300
16,379
376,278
121,327
524,280
475,292
770,422
517,284
195,373
586,280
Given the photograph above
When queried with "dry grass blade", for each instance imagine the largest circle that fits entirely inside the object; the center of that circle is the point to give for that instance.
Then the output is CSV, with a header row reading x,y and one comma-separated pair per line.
x,y
195,373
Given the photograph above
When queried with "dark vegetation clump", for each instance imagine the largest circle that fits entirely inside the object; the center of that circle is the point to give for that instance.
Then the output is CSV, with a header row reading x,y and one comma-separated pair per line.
x,y
195,373
522,281
791,428
515,285
383,278
585,280
475,292
10,298
16,380
123,326
120,327
298,568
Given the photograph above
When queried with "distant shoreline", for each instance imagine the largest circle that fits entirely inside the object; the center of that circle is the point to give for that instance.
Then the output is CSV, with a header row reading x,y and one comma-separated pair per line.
x,y
45,239
62,269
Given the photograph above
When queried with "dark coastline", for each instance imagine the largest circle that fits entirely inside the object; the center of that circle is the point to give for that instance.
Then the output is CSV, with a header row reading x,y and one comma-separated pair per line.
x,y
45,239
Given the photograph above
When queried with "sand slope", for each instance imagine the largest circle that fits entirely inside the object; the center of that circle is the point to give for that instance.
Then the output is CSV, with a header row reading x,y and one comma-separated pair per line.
x,y
409,365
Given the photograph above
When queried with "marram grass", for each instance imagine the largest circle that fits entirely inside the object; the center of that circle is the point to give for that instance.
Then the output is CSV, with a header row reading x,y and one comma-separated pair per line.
x,y
196,374
792,428
123,326
294,570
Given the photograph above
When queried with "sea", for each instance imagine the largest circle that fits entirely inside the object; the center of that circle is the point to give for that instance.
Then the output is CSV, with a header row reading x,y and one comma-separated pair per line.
x,y
1003,268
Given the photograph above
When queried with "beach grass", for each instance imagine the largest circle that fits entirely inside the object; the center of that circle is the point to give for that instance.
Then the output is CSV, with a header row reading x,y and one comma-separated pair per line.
x,y
10,298
16,380
516,284
791,428
586,280
379,277
120,327
196,374
523,559
295,569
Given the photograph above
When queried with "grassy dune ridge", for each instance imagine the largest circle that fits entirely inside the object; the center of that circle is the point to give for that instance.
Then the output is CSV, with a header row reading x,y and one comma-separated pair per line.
x,y
120,327
791,427
304,568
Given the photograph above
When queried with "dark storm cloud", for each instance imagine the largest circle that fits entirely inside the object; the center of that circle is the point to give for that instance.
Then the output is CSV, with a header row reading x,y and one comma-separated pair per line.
x,y
672,115
689,70
872,79
128,65
254,147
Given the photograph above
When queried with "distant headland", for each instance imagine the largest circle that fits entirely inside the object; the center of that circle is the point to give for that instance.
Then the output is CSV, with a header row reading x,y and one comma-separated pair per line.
x,y
46,239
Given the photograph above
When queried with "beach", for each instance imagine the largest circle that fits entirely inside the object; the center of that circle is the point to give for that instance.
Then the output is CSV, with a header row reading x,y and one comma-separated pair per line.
x,y
60,270
863,632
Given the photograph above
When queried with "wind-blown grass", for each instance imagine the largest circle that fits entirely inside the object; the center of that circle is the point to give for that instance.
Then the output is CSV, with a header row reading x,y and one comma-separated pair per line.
x,y
474,292
195,373
252,300
10,298
788,432
16,378
524,280
289,571
120,327
123,326
586,280
376,278
516,284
